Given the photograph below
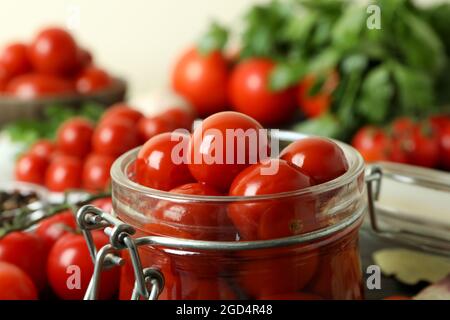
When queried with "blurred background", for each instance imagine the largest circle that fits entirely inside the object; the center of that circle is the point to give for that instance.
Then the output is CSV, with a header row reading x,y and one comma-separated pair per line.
x,y
138,40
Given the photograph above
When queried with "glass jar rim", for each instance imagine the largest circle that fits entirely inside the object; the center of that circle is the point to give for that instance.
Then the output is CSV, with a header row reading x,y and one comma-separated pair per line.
x,y
356,166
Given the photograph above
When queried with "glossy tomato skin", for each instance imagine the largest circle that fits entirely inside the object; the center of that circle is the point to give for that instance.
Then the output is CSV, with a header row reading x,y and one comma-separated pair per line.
x,y
218,168
320,158
96,172
43,148
54,51
64,173
202,80
121,111
74,137
15,284
31,168
425,146
201,221
35,85
14,58
92,79
271,219
372,143
72,250
115,137
250,94
315,105
27,251
157,168
402,127
194,288
53,228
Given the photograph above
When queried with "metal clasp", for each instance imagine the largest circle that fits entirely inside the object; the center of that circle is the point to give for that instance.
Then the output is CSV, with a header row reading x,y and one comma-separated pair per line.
x,y
148,282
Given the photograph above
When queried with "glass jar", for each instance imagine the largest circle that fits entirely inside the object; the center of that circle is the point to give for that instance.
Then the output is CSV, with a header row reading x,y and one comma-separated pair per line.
x,y
321,261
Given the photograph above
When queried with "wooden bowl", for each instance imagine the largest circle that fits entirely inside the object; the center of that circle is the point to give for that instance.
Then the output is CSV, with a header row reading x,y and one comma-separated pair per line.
x,y
12,109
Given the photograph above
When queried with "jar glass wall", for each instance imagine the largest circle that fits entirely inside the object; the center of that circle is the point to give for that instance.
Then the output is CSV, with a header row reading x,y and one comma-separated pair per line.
x,y
320,261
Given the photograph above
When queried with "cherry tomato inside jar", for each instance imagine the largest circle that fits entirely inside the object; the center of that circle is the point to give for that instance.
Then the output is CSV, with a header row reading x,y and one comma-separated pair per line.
x,y
271,218
202,221
224,145
161,163
321,159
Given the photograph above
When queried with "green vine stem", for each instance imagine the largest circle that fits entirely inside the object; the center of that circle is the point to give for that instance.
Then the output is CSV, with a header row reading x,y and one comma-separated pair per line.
x,y
50,211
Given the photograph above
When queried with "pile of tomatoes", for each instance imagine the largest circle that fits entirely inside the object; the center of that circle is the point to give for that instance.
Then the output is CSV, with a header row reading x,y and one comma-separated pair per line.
x,y
82,154
52,261
244,87
52,64
424,143
273,273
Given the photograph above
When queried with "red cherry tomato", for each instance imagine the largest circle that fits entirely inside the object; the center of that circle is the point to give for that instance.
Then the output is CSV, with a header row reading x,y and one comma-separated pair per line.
x,y
123,112
274,273
444,143
14,59
4,78
161,163
54,51
179,117
35,85
205,289
104,204
203,222
425,146
224,145
96,170
74,137
53,228
148,127
402,127
43,148
27,251
319,103
15,284
196,74
439,121
69,262
261,220
372,143
292,296
339,273
115,137
92,79
321,159
250,94
31,168
84,59
64,173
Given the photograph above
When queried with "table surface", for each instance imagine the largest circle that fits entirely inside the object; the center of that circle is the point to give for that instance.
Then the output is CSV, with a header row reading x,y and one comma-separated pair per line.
x,y
369,243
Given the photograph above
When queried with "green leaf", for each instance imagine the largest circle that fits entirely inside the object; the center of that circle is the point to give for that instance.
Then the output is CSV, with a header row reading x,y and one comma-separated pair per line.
x,y
285,75
326,125
376,95
347,30
215,39
325,61
415,89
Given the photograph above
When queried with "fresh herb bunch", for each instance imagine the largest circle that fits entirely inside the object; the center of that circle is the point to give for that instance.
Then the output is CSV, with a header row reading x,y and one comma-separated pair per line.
x,y
28,131
399,69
